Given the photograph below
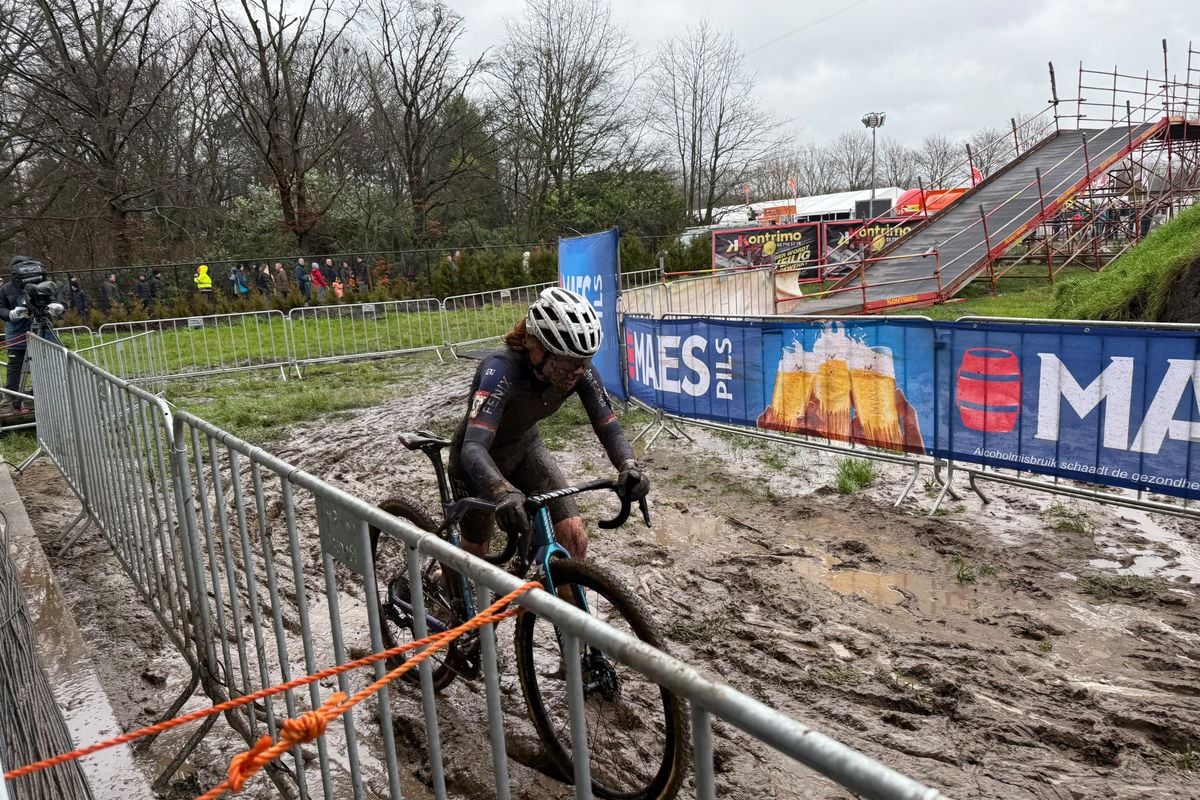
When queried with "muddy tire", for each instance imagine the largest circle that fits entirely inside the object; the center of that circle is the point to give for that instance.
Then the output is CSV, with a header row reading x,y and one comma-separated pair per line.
x,y
391,575
639,747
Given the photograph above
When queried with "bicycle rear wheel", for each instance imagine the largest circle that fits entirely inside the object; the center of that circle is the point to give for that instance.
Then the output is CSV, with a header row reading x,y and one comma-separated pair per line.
x,y
395,594
637,745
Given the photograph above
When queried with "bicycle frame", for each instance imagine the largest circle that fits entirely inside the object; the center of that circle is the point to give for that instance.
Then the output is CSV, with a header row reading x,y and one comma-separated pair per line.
x,y
543,543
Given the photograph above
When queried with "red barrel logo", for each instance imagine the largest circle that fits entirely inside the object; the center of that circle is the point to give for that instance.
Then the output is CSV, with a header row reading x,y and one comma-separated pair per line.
x,y
989,389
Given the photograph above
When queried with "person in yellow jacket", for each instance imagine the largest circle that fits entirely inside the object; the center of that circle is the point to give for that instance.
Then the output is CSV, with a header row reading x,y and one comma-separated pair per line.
x,y
203,283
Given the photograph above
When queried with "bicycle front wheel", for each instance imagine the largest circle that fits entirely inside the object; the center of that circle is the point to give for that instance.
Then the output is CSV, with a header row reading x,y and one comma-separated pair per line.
x,y
395,594
637,731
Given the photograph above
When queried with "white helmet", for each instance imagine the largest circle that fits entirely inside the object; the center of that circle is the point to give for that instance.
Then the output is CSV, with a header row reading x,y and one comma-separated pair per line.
x,y
564,323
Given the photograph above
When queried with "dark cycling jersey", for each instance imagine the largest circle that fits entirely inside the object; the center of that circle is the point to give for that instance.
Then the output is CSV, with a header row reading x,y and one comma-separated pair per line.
x,y
507,401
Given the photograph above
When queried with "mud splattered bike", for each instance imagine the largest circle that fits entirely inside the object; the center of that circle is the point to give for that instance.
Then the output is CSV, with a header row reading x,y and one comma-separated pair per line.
x,y
637,731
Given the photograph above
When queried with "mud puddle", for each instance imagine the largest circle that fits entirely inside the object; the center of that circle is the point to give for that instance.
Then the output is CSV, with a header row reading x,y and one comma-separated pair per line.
x,y
925,592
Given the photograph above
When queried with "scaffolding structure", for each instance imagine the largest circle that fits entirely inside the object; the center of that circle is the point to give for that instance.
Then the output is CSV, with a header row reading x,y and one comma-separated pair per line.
x,y
1083,181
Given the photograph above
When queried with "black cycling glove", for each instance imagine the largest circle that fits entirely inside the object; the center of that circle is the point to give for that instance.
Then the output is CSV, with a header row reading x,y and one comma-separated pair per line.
x,y
510,513
634,483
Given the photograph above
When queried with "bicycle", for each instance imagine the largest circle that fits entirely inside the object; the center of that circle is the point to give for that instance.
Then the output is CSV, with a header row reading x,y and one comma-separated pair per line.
x,y
618,700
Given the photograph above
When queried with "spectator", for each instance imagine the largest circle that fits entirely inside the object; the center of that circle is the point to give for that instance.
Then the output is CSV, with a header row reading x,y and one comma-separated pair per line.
x,y
339,288
156,295
203,283
300,272
344,273
141,290
279,279
14,310
264,282
361,274
328,271
71,295
318,280
241,284
110,294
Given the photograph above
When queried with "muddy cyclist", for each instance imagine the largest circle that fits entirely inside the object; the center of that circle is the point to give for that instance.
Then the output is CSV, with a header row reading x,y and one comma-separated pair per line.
x,y
497,452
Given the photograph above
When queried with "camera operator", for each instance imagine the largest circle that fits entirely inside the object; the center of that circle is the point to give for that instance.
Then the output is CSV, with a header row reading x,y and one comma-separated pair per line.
x,y
26,294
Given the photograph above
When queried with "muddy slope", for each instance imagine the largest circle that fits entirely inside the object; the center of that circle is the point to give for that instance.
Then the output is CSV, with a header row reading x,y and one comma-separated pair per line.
x,y
991,651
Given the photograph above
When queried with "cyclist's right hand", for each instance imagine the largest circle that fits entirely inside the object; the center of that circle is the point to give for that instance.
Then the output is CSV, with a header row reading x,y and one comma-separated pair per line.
x,y
510,513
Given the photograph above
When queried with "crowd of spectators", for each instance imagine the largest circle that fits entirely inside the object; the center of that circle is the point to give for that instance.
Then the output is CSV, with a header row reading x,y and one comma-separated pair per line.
x,y
312,279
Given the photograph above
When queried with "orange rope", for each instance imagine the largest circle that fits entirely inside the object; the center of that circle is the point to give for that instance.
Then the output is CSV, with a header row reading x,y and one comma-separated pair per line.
x,y
308,726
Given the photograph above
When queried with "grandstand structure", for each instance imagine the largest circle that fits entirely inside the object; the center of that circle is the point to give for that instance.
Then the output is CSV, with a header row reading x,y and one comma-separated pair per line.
x,y
1088,177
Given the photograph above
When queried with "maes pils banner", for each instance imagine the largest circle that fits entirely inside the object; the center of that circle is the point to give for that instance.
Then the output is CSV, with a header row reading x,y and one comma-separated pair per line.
x,y
588,265
1117,406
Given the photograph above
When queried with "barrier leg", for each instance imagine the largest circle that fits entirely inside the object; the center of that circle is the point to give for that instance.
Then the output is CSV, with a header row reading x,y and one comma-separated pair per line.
x,y
908,487
937,475
975,487
654,424
68,540
164,779
24,465
946,489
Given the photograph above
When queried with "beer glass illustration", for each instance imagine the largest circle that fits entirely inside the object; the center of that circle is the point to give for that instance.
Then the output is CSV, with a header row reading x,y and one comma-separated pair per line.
x,y
873,390
832,385
793,387
989,389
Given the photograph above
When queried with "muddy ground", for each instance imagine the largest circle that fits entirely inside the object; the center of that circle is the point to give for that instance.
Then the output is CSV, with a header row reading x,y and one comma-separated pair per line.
x,y
1026,648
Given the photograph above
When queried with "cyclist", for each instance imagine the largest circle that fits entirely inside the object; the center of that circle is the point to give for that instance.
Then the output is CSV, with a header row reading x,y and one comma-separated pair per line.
x,y
497,451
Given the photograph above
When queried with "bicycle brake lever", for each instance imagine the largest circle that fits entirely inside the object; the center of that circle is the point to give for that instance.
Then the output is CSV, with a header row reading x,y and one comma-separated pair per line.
x,y
645,507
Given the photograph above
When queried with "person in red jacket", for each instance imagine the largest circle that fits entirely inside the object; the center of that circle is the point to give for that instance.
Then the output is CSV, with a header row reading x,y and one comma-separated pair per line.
x,y
318,280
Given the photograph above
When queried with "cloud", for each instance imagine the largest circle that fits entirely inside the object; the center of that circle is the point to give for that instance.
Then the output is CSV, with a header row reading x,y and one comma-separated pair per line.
x,y
941,66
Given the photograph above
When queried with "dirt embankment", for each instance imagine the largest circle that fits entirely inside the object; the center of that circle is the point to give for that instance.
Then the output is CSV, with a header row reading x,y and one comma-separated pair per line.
x,y
1183,298
1021,649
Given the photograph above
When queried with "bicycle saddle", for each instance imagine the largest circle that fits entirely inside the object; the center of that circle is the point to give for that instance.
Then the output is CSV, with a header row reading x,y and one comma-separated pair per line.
x,y
423,440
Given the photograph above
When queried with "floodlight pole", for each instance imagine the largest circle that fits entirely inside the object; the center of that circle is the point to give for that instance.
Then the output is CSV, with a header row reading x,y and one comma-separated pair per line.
x,y
873,120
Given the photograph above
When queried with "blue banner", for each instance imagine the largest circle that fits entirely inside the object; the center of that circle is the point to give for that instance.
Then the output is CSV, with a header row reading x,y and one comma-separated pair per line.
x,y
1115,406
588,265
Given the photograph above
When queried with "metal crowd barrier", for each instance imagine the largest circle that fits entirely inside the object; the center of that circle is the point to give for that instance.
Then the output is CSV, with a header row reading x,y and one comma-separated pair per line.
x,y
215,533
479,317
1111,496
111,441
202,345
364,330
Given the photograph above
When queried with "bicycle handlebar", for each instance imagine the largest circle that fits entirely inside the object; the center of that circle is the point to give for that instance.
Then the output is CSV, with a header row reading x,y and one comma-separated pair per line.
x,y
459,508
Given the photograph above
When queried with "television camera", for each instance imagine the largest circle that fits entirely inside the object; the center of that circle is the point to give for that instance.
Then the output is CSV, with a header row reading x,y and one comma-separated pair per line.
x,y
40,292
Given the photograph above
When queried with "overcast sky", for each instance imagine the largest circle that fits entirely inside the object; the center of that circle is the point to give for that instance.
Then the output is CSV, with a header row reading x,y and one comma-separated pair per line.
x,y
949,66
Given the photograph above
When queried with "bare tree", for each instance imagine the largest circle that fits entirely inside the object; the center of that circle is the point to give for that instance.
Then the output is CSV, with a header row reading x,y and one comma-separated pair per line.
x,y
94,76
898,165
774,175
937,157
414,84
818,172
704,109
851,156
296,104
990,150
564,81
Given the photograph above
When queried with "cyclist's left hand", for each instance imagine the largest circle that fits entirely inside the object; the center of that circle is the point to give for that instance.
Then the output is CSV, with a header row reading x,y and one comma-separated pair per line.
x,y
634,483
